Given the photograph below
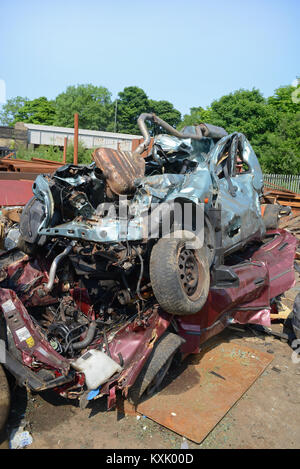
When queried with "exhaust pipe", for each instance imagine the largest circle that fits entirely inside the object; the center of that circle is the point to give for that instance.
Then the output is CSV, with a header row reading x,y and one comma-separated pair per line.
x,y
54,265
202,130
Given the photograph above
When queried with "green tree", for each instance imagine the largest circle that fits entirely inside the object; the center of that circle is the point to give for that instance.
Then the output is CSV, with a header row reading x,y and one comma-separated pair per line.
x,y
281,152
92,103
247,112
166,111
10,109
196,116
270,125
281,101
132,102
38,111
243,111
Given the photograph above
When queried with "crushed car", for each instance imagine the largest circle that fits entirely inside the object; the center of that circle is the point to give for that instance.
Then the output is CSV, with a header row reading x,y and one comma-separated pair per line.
x,y
123,263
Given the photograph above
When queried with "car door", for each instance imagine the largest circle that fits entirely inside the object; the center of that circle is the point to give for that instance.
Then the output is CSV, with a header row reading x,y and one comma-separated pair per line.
x,y
239,181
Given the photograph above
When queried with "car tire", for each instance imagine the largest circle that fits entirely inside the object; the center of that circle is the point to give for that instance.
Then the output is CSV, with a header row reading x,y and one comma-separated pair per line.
x,y
156,368
4,399
180,277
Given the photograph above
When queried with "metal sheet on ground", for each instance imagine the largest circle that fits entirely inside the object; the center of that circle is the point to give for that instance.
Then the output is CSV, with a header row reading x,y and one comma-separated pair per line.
x,y
202,390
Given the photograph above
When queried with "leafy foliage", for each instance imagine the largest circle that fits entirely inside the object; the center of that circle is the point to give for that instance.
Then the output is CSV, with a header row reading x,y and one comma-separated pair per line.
x,y
56,154
92,103
166,111
197,115
10,109
37,111
84,154
132,102
281,100
271,124
43,151
247,112
281,152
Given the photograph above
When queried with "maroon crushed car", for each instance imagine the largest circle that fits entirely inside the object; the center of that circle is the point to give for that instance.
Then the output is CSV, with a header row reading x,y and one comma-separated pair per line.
x,y
58,341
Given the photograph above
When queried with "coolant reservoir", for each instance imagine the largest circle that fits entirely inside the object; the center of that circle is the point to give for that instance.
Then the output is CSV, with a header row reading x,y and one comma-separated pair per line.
x,y
97,366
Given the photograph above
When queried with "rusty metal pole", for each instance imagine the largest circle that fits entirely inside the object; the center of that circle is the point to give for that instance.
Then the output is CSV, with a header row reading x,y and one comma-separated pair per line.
x,y
65,150
75,139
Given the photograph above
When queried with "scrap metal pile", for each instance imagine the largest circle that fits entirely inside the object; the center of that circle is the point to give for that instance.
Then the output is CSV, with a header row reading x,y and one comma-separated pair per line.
x,y
274,194
292,224
88,293
9,163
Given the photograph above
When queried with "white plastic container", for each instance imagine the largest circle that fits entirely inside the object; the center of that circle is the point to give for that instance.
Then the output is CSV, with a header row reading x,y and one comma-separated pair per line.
x,y
97,366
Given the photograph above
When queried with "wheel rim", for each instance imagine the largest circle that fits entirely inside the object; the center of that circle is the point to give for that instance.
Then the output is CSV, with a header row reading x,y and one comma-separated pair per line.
x,y
190,273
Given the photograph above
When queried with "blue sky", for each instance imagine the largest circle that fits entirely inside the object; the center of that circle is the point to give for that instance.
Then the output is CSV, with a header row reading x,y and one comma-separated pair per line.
x,y
188,52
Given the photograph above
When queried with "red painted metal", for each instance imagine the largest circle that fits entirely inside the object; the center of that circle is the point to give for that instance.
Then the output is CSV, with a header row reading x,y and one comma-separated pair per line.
x,y
15,193
38,348
272,264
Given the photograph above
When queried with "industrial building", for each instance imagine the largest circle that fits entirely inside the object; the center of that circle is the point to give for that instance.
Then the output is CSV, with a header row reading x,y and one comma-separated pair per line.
x,y
32,135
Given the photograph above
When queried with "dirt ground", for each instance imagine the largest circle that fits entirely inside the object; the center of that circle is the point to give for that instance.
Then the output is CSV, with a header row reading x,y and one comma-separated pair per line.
x,y
266,416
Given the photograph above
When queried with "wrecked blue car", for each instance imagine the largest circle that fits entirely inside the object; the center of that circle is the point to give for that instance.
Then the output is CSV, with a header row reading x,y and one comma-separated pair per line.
x,y
109,219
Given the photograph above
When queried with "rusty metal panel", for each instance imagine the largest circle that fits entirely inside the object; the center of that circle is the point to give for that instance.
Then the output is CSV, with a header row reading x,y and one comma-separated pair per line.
x,y
35,165
120,168
204,388
16,176
47,162
136,142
